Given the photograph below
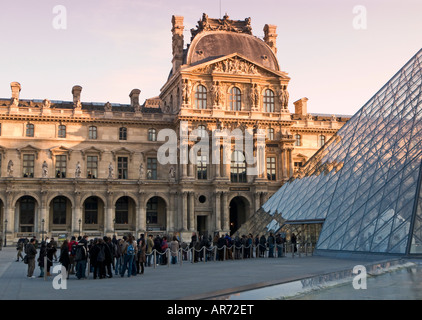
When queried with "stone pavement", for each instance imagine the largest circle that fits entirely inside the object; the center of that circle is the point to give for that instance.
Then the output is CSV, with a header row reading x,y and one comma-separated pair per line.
x,y
186,282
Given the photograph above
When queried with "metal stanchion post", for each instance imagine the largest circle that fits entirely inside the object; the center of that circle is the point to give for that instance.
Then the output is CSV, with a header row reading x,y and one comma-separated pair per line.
x,y
45,267
168,256
204,254
224,253
293,250
155,258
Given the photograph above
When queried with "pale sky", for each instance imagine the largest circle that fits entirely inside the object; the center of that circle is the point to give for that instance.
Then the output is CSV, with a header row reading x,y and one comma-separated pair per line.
x,y
110,47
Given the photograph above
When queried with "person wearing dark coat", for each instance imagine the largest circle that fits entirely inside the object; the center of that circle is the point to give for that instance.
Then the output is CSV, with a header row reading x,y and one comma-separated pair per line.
x,y
64,257
108,249
43,253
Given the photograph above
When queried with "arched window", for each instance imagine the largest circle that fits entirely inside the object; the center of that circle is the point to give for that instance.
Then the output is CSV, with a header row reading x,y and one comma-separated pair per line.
x,y
321,140
202,131
122,210
298,140
92,134
270,134
269,101
152,134
62,131
59,210
123,133
238,167
201,97
235,99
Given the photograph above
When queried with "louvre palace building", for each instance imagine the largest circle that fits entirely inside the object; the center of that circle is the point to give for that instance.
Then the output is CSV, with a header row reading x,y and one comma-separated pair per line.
x,y
73,167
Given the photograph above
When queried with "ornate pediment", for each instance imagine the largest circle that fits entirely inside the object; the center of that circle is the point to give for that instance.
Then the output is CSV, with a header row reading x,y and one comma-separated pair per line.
x,y
235,64
60,151
92,150
28,149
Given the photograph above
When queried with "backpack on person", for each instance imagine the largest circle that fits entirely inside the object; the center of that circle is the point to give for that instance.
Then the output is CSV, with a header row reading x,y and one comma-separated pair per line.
x,y
73,249
80,253
130,249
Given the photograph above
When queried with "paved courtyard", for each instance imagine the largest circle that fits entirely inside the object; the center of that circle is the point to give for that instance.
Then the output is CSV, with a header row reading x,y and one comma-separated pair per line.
x,y
187,281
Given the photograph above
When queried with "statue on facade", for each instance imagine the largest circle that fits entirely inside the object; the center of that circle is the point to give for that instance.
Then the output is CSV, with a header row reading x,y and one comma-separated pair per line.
x,y
14,102
107,107
110,171
217,93
10,168
283,96
172,173
186,91
46,104
141,171
254,96
78,170
44,169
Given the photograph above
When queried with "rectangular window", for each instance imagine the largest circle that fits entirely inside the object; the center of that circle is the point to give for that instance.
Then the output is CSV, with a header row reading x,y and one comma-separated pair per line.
x,y
92,133
29,130
59,210
92,167
122,164
61,163
62,131
28,165
152,168
152,208
201,167
271,168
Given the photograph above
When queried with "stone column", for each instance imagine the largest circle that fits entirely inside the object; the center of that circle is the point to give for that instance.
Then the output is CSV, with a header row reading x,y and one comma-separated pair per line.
x,y
191,211
43,214
284,163
77,214
290,163
217,195
109,213
226,213
10,217
185,211
141,212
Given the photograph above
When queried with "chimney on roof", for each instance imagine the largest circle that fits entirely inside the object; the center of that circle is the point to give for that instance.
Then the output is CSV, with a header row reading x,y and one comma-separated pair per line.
x,y
270,36
16,89
134,97
76,92
177,42
301,106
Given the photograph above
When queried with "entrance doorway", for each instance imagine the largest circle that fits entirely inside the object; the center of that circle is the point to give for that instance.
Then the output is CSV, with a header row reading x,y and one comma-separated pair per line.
x,y
239,208
201,222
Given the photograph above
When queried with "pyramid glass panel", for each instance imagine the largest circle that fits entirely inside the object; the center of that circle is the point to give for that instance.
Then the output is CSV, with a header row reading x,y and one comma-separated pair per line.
x,y
364,183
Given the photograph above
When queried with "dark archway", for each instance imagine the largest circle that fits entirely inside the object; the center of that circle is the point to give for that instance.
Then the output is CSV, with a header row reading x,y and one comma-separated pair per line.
x,y
239,207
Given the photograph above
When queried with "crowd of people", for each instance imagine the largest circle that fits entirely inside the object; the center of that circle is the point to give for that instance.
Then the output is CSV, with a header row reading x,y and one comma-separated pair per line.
x,y
129,256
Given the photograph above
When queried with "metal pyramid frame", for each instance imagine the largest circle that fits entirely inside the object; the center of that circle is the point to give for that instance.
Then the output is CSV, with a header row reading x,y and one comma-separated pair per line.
x,y
364,183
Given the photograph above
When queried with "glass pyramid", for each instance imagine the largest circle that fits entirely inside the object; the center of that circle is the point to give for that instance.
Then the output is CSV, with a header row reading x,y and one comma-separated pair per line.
x,y
364,184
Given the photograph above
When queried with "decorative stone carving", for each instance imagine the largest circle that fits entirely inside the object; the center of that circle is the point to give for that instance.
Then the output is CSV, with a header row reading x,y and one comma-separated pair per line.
x,y
141,172
110,171
172,174
107,107
255,96
10,168
186,91
46,104
217,93
78,170
225,24
283,96
233,66
44,169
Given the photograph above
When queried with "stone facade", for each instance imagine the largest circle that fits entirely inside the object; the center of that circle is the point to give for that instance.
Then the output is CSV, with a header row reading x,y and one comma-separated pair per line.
x,y
71,167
